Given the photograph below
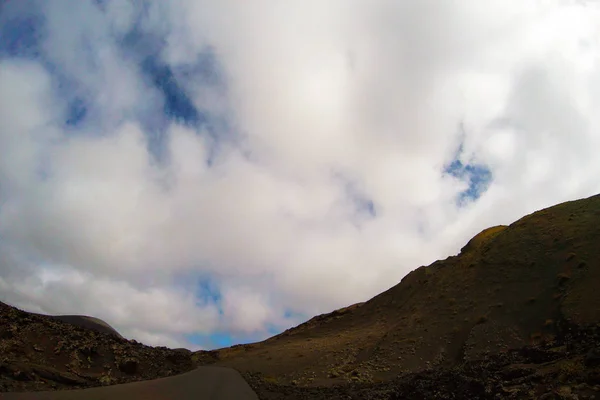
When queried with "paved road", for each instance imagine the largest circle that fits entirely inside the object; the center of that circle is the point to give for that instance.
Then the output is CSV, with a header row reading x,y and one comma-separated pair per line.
x,y
203,383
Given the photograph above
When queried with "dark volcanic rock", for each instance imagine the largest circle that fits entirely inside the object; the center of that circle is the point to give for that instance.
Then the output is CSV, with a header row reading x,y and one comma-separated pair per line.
x,y
592,358
517,374
39,352
129,366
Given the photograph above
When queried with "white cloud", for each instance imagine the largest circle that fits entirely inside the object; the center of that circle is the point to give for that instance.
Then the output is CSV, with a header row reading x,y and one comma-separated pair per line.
x,y
325,100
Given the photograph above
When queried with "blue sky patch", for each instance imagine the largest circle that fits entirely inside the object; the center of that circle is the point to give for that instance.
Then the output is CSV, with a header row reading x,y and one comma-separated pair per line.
x,y
289,314
21,29
177,106
218,340
478,177
77,111
208,292
211,341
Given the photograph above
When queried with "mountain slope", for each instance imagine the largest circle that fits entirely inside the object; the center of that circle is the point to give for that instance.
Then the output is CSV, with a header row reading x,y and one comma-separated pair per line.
x,y
41,352
511,286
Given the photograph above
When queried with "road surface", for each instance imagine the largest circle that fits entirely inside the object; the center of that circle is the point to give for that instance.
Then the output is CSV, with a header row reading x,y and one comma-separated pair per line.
x,y
203,383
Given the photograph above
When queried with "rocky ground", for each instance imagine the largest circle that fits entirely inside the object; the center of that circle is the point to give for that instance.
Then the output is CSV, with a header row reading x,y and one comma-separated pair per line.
x,y
567,368
42,353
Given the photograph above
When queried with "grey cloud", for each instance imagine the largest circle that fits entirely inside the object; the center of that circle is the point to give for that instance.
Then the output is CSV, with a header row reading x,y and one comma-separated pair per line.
x,y
270,218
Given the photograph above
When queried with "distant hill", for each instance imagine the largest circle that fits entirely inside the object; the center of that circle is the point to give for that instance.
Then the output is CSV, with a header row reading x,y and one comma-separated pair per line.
x,y
92,323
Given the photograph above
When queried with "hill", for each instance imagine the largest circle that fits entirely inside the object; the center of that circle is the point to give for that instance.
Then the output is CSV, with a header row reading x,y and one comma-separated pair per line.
x,y
527,285
42,352
92,323
516,314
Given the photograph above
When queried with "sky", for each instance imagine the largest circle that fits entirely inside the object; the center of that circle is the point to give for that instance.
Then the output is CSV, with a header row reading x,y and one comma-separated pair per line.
x,y
204,173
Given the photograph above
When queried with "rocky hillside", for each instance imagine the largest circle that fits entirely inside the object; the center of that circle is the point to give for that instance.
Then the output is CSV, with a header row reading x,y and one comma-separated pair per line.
x,y
511,287
39,352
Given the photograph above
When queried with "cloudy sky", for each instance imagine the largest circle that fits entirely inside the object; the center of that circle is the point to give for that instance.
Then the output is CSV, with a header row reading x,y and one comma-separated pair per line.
x,y
200,173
